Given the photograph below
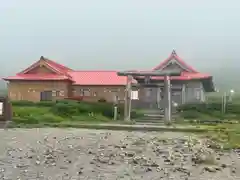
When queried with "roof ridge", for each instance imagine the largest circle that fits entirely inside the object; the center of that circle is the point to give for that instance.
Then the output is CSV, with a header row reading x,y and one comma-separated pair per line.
x,y
95,71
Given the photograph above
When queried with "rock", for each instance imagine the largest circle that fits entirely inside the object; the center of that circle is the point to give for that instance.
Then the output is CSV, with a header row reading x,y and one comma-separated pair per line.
x,y
111,163
167,160
103,160
130,154
183,170
90,152
233,170
166,172
148,169
80,171
223,165
203,158
212,168
154,164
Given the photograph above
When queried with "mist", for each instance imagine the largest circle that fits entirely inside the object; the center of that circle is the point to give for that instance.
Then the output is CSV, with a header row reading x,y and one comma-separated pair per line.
x,y
118,35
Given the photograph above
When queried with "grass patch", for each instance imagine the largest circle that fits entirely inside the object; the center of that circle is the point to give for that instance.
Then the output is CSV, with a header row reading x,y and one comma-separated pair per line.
x,y
26,112
40,115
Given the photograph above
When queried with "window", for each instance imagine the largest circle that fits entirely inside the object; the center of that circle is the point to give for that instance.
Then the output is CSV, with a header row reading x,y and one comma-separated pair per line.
x,y
1,108
57,93
115,98
197,93
61,93
134,95
46,96
85,92
54,93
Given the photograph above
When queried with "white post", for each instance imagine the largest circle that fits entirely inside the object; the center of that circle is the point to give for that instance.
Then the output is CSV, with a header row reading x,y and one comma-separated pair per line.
x,y
224,102
126,102
158,97
183,93
115,113
130,104
168,104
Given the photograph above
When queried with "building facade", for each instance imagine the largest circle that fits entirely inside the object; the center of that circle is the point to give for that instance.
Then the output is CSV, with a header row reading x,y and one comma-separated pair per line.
x,y
188,87
48,80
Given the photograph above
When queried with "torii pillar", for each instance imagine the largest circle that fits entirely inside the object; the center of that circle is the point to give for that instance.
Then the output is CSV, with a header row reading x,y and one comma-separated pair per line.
x,y
127,99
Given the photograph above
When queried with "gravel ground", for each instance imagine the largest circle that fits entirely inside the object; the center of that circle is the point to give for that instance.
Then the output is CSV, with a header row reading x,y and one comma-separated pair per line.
x,y
64,154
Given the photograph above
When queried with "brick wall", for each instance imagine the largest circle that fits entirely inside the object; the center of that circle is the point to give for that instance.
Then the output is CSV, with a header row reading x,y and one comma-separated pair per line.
x,y
30,90
99,92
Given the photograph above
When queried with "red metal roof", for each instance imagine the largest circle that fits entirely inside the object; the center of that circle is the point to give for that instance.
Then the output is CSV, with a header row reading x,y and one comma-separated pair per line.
x,y
177,58
34,77
97,78
78,77
58,66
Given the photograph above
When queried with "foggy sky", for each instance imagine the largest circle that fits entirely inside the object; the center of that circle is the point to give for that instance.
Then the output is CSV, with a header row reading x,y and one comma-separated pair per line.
x,y
118,34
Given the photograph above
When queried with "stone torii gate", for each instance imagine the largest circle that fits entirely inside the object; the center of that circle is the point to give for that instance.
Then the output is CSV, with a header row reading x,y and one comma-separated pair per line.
x,y
147,75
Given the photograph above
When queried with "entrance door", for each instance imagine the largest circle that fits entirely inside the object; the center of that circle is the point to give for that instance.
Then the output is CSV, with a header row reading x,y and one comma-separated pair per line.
x,y
46,96
151,98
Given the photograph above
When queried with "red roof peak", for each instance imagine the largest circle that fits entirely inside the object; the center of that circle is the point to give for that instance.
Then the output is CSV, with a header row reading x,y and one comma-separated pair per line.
x,y
174,56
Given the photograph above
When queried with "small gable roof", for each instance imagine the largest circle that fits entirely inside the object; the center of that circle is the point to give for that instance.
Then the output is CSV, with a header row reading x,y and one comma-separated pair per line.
x,y
97,77
178,59
59,68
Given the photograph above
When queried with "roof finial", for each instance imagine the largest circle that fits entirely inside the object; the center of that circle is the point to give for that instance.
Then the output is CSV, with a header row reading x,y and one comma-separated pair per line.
x,y
174,52
42,58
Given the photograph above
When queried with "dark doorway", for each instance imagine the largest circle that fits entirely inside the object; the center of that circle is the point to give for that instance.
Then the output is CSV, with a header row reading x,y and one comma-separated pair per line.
x,y
46,96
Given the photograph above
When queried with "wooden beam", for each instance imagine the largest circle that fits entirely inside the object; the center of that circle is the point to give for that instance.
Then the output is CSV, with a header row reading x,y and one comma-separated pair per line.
x,y
150,73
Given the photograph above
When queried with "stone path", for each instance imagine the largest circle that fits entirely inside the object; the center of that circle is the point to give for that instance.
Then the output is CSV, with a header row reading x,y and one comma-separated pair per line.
x,y
64,154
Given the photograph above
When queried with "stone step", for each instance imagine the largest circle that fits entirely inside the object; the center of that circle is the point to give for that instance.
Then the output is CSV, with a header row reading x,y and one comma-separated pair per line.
x,y
151,123
153,115
151,120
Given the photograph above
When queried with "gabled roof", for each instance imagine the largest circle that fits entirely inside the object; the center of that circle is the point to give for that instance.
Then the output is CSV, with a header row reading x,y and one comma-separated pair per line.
x,y
56,67
65,73
178,59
